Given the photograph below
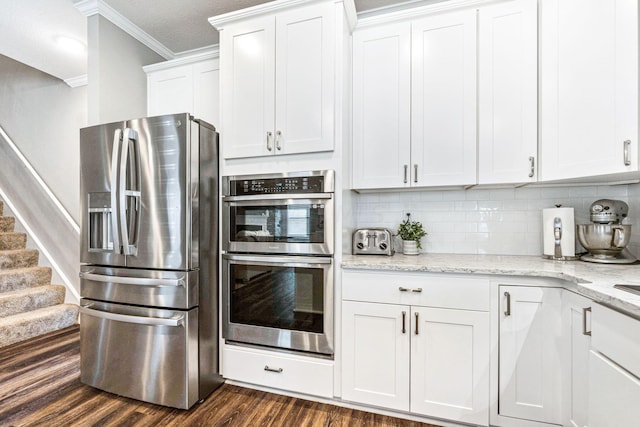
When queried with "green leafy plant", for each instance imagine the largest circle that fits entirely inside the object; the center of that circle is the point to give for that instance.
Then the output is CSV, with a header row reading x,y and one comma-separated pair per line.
x,y
411,230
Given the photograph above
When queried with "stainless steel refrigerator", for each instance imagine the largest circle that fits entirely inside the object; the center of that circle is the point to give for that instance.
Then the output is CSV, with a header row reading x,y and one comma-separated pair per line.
x,y
149,259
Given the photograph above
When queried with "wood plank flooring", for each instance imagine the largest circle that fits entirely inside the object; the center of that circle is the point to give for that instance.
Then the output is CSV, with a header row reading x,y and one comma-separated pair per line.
x,y
40,386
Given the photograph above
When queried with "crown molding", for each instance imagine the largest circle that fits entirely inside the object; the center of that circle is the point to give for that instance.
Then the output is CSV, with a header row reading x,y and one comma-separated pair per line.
x,y
186,58
249,12
98,7
414,9
77,81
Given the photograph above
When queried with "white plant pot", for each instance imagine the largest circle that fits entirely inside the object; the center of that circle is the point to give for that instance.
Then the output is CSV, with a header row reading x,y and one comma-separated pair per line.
x,y
410,247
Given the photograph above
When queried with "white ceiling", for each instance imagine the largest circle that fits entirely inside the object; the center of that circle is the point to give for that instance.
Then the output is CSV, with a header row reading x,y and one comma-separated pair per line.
x,y
28,28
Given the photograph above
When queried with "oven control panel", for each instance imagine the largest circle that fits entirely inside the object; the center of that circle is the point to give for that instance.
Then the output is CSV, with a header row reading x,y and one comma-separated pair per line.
x,y
280,185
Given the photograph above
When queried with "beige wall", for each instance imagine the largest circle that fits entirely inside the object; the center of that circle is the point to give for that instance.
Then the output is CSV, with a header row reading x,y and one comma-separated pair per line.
x,y
117,88
42,115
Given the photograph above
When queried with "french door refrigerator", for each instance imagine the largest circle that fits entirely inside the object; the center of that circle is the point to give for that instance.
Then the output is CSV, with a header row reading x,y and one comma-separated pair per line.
x,y
149,259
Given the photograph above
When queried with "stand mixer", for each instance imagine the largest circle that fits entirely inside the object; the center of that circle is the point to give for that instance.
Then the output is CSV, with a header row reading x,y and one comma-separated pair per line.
x,y
606,238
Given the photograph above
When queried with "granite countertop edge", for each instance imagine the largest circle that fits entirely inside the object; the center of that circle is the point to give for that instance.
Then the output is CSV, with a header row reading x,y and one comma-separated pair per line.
x,y
595,281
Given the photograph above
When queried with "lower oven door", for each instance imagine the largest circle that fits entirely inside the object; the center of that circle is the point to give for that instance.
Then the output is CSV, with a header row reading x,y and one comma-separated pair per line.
x,y
279,301
142,353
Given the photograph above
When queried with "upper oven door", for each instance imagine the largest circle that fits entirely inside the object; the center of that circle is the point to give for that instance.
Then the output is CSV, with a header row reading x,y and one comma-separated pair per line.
x,y
293,224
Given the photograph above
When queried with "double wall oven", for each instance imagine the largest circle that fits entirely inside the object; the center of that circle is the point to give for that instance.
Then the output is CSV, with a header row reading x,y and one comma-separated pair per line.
x,y
277,241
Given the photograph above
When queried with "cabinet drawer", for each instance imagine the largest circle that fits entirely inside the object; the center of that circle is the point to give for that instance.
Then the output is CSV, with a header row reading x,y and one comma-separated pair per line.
x,y
424,289
282,371
617,336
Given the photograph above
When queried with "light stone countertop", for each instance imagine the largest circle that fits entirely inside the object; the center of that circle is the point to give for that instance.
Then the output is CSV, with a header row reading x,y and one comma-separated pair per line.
x,y
589,279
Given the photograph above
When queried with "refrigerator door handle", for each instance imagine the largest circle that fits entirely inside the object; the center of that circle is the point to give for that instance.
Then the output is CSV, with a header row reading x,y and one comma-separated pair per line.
x,y
115,154
133,280
150,321
129,138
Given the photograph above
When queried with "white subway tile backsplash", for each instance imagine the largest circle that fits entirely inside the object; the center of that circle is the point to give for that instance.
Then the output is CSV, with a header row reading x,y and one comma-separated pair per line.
x,y
488,221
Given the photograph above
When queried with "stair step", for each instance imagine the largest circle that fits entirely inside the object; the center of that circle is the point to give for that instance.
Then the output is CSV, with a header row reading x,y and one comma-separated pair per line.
x,y
19,258
9,241
21,278
23,326
30,299
7,224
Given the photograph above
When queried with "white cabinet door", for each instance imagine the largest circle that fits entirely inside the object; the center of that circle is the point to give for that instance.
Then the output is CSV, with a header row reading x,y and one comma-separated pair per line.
x,y
206,91
375,354
450,364
443,105
614,394
577,340
589,87
529,371
278,79
304,72
247,58
507,92
170,91
381,106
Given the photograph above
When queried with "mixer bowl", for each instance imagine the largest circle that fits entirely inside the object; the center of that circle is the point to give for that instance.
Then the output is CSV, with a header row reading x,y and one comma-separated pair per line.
x,y
604,241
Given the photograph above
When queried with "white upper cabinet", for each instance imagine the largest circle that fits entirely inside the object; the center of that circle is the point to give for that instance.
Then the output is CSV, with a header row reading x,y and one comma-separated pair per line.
x,y
443,104
507,92
185,88
447,99
382,100
278,83
589,87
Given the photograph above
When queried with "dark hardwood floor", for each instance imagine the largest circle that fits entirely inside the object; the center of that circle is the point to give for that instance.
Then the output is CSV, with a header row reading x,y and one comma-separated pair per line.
x,y
40,386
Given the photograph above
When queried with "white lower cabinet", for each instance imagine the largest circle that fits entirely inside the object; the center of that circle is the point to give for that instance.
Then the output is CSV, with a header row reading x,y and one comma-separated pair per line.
x,y
450,364
576,311
614,369
291,372
614,394
408,356
530,353
375,353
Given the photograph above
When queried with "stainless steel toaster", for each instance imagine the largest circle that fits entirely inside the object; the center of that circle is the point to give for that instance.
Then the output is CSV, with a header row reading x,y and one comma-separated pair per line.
x,y
372,241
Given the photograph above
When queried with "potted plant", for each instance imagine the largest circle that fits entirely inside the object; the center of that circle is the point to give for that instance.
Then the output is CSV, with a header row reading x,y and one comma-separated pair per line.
x,y
411,232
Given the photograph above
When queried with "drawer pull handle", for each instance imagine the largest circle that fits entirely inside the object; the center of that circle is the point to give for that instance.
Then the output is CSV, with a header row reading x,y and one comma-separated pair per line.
x,y
276,370
417,322
416,290
584,321
404,319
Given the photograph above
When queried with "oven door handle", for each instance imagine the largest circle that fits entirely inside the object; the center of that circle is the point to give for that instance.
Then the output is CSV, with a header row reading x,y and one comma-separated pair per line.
x,y
283,196
150,321
294,261
133,280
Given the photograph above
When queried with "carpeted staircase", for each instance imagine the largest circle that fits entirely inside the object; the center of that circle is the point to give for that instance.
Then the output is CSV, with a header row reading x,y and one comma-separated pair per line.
x,y
29,304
